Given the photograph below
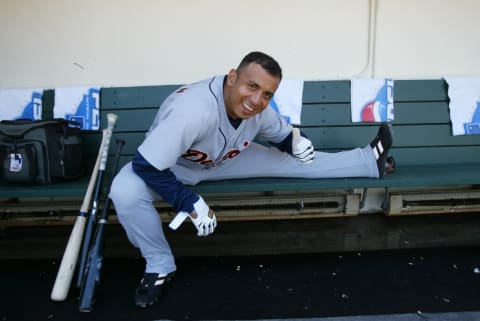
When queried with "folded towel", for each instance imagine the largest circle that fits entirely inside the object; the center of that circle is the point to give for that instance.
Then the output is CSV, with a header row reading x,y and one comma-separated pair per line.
x,y
464,94
287,100
21,104
81,104
372,100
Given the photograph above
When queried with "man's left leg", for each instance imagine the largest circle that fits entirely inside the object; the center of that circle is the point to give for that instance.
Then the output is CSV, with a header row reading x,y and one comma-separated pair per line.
x,y
262,161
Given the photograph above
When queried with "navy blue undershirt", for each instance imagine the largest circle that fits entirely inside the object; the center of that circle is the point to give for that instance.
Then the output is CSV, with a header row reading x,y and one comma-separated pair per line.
x,y
165,183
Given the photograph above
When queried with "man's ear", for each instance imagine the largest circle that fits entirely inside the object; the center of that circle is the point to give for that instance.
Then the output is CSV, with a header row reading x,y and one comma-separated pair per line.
x,y
232,76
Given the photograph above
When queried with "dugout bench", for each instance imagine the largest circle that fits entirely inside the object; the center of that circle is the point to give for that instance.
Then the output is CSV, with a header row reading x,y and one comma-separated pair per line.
x,y
436,172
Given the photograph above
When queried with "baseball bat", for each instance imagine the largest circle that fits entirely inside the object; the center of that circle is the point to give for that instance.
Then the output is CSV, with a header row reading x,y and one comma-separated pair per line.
x,y
92,217
95,258
69,260
178,220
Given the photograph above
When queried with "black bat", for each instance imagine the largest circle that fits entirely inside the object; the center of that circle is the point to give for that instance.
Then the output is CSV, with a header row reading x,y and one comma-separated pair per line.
x,y
92,217
94,263
70,255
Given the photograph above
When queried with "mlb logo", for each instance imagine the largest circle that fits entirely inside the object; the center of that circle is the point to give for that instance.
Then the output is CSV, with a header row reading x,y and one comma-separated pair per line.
x,y
15,162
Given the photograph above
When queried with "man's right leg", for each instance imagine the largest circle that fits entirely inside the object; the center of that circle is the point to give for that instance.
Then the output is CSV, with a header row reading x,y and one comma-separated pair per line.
x,y
133,202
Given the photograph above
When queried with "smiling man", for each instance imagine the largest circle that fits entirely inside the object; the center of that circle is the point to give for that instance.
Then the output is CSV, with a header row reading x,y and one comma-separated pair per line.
x,y
248,89
206,131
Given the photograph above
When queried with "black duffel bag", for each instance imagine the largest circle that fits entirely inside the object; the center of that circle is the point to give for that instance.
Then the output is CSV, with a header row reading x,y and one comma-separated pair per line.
x,y
40,151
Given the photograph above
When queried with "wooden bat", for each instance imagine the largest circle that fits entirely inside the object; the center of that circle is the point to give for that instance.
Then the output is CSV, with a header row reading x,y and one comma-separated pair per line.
x,y
70,255
95,257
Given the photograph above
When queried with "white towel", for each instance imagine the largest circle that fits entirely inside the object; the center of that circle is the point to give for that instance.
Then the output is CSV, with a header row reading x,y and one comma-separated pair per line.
x,y
372,100
464,94
81,104
21,104
287,100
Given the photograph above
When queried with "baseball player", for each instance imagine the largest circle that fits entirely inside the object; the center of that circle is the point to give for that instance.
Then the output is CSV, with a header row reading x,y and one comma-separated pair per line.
x,y
206,131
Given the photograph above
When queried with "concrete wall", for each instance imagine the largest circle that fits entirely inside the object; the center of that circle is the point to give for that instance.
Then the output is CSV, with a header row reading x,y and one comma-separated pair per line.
x,y
52,43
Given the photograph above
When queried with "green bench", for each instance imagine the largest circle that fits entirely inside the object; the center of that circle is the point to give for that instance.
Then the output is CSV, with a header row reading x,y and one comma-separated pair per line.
x,y
436,172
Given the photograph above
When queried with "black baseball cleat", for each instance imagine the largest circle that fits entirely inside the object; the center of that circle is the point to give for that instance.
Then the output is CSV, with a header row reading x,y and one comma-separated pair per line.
x,y
150,287
381,145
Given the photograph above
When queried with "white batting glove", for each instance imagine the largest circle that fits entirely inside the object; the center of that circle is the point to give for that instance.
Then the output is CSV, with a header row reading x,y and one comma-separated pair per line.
x,y
203,217
302,148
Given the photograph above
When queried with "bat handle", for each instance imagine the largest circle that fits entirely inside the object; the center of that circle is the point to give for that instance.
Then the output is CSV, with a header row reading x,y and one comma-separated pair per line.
x,y
178,220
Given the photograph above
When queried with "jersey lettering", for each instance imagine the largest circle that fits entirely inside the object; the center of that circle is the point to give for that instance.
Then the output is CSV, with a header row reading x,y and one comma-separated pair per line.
x,y
231,154
195,156
202,157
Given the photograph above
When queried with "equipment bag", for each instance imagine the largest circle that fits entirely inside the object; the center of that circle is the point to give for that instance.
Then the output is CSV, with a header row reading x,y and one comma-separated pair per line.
x,y
40,151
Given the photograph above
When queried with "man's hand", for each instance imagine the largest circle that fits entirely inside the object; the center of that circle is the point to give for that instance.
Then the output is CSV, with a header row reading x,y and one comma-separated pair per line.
x,y
203,217
302,147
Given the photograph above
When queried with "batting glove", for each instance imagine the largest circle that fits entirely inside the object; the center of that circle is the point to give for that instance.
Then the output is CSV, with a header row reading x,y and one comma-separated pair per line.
x,y
302,147
203,217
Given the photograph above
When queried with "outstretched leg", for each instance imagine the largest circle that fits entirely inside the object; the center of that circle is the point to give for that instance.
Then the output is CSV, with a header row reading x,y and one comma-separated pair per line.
x,y
262,161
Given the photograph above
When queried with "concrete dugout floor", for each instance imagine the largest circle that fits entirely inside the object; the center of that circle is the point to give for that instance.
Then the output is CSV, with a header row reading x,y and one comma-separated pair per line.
x,y
419,284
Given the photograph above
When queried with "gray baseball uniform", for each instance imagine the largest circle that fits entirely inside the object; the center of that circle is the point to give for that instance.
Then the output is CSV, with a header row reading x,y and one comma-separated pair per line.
x,y
193,137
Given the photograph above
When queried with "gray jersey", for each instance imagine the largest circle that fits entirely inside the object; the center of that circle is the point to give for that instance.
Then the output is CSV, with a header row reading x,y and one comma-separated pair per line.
x,y
192,129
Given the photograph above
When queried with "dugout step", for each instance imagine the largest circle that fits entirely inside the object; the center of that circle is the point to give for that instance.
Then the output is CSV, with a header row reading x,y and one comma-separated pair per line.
x,y
277,206
228,207
436,202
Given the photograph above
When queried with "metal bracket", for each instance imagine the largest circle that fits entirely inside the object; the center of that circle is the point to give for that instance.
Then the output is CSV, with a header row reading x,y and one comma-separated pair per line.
x,y
386,198
364,196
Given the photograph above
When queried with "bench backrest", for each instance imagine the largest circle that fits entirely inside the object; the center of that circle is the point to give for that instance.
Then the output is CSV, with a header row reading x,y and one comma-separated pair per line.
x,y
422,125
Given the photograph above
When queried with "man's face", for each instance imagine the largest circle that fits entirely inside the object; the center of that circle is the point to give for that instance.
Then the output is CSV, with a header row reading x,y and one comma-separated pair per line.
x,y
249,91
